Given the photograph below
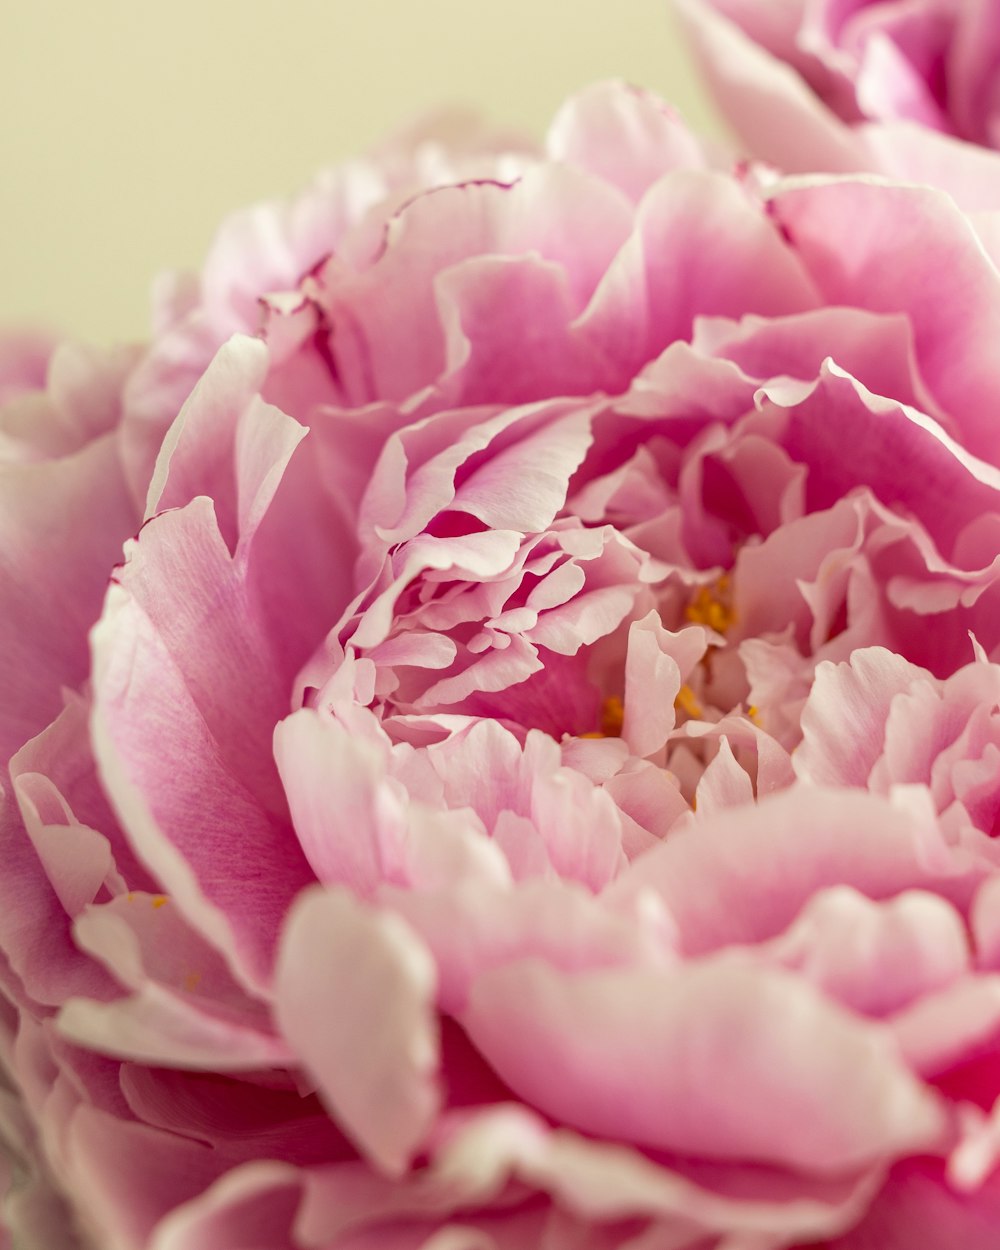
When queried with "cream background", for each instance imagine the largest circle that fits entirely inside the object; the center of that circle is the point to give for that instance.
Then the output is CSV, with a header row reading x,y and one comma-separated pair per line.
x,y
130,127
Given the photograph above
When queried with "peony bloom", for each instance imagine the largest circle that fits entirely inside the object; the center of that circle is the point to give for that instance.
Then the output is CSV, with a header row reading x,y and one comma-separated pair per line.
x,y
907,88
533,781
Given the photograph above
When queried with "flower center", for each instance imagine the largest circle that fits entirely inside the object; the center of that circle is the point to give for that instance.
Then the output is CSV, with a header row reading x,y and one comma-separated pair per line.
x,y
712,606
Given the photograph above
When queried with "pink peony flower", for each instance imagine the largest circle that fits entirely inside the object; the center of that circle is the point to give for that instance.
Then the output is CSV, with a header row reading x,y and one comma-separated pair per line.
x,y
534,776
907,88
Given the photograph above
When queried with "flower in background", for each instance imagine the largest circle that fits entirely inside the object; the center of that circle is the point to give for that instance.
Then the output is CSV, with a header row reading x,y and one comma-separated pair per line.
x,y
534,780
907,88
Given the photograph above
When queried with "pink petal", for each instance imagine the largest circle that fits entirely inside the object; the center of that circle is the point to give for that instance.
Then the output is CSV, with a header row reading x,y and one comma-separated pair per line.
x,y
753,88
257,1202
917,1207
844,719
557,921
875,957
354,997
892,249
625,135
53,576
649,1057
743,875
165,708
672,270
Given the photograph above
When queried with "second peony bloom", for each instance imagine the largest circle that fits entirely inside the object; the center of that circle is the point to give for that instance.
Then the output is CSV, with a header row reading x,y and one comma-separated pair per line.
x,y
536,777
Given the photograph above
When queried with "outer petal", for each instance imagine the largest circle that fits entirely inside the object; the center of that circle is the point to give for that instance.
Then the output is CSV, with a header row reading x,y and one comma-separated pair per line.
x,y
625,135
755,88
719,1059
896,248
53,574
185,687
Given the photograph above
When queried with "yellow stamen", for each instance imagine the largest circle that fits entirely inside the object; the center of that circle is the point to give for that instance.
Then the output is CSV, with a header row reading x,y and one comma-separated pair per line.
x,y
158,900
687,703
612,719
711,606
753,712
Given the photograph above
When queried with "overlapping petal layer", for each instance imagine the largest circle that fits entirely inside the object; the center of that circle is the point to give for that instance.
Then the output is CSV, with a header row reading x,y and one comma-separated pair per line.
x,y
535,778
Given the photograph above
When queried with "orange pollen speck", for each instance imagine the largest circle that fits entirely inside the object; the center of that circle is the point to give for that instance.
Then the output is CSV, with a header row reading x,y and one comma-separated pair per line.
x,y
711,606
158,900
753,712
192,981
688,703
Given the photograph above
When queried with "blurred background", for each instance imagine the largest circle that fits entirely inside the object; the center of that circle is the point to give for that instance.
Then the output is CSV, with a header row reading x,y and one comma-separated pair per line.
x,y
130,128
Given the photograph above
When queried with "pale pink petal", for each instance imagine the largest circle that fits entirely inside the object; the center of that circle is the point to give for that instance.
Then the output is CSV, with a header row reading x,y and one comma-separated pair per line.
x,y
354,997
910,152
844,719
647,1057
524,485
561,214
724,783
40,957
945,1029
349,823
157,1027
769,105
656,664
875,348
24,360
555,921
743,875
605,1181
184,1009
625,135
875,957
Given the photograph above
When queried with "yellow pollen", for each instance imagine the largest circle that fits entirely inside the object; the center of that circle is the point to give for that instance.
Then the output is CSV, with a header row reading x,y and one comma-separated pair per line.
x,y
688,703
753,712
711,606
158,900
612,719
